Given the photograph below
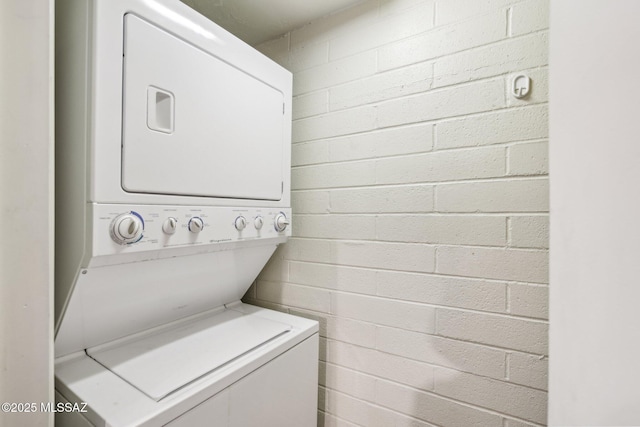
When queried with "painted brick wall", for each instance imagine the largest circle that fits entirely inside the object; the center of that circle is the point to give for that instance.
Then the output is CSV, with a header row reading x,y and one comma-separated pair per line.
x,y
420,197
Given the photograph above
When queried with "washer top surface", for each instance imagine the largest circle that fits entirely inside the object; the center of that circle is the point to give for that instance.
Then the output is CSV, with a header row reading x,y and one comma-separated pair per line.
x,y
162,362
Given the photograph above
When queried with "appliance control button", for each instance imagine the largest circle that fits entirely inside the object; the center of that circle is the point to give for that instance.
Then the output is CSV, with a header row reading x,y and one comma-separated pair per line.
x,y
127,228
240,223
281,222
258,222
195,224
170,225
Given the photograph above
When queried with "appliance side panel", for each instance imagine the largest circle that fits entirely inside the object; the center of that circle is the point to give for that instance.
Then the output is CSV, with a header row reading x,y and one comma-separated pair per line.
x,y
255,401
72,68
287,87
69,419
215,408
296,374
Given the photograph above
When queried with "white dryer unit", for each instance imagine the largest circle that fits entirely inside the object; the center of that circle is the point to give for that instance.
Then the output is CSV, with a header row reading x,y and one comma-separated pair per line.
x,y
172,192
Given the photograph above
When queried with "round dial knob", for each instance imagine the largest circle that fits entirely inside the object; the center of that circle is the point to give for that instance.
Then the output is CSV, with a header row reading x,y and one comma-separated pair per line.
x,y
195,224
127,228
281,222
258,222
170,225
240,223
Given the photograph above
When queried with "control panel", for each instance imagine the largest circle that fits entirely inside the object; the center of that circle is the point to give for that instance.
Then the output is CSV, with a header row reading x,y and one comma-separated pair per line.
x,y
121,229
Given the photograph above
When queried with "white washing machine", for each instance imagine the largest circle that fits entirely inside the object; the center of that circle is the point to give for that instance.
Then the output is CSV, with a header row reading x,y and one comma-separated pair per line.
x,y
172,192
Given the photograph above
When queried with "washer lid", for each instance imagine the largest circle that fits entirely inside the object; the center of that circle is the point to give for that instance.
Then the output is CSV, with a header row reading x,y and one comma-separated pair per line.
x,y
161,362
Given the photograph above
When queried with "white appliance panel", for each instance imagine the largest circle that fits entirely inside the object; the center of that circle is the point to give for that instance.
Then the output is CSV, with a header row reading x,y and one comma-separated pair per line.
x,y
114,301
289,362
283,393
175,194
214,408
218,232
164,361
255,402
181,129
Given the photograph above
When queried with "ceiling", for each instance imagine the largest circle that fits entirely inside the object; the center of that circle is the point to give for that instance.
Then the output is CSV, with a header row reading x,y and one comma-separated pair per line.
x,y
256,21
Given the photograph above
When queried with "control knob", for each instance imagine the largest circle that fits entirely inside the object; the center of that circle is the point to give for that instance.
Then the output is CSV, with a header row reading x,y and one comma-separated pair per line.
x,y
170,225
258,222
127,228
195,224
240,223
281,222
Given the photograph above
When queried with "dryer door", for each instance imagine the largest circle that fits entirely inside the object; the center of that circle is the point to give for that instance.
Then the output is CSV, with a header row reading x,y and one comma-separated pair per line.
x,y
195,125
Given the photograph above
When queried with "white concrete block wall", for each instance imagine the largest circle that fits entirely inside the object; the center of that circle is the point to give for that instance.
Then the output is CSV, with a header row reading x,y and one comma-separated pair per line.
x,y
420,199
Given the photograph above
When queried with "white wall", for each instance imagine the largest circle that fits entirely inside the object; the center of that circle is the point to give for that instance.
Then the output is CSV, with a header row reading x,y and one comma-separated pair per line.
x,y
420,204
595,203
26,207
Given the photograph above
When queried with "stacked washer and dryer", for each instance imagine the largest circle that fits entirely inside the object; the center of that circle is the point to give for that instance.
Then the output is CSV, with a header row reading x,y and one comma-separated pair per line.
x,y
173,191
